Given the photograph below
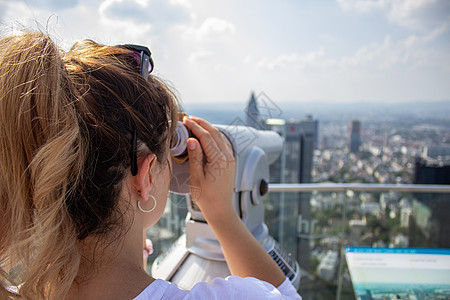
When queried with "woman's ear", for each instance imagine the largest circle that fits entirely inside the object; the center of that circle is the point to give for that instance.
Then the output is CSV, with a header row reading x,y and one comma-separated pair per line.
x,y
143,179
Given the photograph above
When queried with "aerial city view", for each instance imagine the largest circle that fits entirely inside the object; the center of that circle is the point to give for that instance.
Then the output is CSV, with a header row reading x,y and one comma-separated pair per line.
x,y
383,146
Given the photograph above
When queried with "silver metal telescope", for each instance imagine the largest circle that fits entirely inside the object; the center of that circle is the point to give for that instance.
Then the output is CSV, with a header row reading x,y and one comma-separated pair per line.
x,y
197,256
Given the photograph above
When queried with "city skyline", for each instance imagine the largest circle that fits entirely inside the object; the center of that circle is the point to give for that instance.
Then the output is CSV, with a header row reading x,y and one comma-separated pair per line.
x,y
346,51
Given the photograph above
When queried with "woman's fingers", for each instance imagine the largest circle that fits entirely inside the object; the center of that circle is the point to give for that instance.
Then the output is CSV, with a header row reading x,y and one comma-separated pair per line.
x,y
195,165
211,169
218,137
207,142
217,173
221,141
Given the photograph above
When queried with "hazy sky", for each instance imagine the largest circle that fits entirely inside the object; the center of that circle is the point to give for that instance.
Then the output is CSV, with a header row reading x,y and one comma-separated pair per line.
x,y
293,50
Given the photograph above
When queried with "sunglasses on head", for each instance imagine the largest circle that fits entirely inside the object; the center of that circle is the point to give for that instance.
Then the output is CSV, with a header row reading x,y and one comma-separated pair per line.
x,y
143,57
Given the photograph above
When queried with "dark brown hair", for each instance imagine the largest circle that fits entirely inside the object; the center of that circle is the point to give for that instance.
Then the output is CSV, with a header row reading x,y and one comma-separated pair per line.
x,y
116,101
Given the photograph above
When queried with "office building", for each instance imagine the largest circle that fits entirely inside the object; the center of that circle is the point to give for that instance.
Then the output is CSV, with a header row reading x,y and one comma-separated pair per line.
x,y
355,136
430,225
295,166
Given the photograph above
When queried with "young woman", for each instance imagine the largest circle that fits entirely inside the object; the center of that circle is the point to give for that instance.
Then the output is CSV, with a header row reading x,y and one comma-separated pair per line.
x,y
85,170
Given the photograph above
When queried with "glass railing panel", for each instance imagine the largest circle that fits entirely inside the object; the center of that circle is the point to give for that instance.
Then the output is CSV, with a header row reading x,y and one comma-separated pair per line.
x,y
315,227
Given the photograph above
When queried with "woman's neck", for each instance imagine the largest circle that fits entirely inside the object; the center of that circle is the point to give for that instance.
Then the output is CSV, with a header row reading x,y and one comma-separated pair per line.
x,y
111,270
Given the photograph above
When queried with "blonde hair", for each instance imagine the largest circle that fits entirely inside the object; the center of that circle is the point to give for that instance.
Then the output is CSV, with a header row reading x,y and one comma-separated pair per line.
x,y
59,115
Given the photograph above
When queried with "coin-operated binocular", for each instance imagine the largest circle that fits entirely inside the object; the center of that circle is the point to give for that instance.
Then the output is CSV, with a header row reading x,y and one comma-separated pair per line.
x,y
197,256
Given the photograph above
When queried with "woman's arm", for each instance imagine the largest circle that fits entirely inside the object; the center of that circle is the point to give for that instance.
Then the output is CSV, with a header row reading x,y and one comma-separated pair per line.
x,y
212,168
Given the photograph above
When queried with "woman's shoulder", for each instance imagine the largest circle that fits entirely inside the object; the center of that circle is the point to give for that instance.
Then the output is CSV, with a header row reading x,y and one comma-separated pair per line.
x,y
157,290
232,287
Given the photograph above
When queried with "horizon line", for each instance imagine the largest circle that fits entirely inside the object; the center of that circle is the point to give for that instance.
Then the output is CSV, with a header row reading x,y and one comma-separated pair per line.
x,y
318,102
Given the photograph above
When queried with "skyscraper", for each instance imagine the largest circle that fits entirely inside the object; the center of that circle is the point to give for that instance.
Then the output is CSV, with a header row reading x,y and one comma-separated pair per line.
x,y
253,117
355,136
300,141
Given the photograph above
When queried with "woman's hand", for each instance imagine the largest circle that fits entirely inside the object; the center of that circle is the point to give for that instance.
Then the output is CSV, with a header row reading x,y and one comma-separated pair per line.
x,y
148,250
212,168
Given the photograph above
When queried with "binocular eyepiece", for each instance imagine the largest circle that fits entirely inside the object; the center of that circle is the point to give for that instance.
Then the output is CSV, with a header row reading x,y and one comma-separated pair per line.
x,y
178,150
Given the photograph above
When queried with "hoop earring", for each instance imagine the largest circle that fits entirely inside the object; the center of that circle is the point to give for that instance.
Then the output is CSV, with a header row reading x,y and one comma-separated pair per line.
x,y
149,210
